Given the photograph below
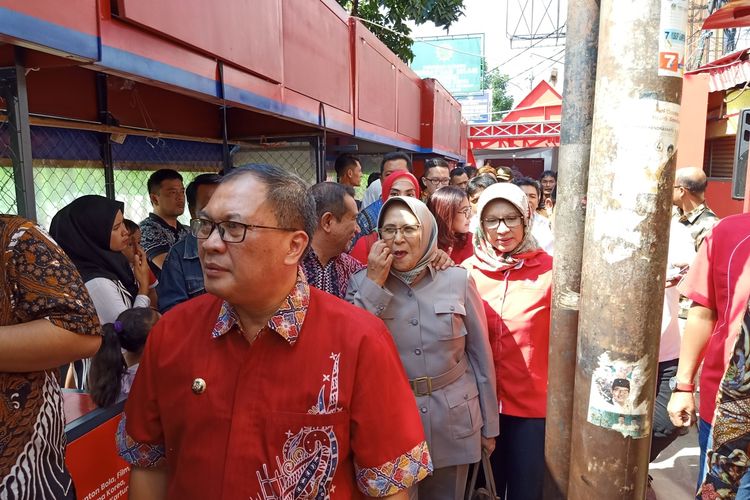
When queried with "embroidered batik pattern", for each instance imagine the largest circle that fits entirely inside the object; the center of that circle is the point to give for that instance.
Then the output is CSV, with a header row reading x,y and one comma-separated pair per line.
x,y
38,282
138,454
332,278
396,475
310,456
287,320
728,460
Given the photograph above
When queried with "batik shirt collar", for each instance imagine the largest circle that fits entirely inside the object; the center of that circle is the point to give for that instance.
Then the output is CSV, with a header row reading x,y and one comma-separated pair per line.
x,y
287,320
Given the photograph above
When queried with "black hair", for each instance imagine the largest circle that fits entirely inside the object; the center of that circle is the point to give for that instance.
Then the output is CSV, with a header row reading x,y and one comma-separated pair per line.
x,y
329,197
433,163
343,162
292,204
130,225
471,171
161,175
396,155
458,171
372,178
528,181
549,173
479,182
108,366
191,192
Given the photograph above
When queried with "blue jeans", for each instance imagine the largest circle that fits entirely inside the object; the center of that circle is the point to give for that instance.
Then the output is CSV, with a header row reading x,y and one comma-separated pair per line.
x,y
705,442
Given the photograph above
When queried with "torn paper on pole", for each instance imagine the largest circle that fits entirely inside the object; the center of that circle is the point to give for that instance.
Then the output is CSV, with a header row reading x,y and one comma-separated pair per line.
x,y
672,24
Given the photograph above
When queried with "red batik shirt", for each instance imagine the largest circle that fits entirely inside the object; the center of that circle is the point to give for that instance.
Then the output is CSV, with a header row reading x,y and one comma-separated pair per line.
x,y
318,406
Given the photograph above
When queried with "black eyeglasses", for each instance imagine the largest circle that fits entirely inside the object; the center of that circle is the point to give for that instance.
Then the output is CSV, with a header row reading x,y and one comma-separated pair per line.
x,y
493,223
437,181
229,231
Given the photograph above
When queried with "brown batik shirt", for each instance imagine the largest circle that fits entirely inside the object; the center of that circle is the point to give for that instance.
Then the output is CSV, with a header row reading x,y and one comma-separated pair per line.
x,y
38,282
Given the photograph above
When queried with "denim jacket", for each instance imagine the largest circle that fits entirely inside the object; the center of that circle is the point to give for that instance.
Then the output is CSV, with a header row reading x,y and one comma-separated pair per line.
x,y
181,275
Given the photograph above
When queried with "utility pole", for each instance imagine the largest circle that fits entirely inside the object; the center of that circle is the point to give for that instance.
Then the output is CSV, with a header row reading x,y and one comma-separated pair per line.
x,y
631,177
572,181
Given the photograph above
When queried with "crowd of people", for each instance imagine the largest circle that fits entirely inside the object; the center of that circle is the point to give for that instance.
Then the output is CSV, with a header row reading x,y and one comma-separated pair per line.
x,y
315,345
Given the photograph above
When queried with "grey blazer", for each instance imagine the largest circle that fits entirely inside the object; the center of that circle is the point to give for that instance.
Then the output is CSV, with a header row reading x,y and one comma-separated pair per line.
x,y
435,324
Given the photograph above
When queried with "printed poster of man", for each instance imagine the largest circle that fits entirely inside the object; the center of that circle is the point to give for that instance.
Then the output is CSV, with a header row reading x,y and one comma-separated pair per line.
x,y
615,401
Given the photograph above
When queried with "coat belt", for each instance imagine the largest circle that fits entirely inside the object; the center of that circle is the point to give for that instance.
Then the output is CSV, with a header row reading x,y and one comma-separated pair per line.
x,y
424,386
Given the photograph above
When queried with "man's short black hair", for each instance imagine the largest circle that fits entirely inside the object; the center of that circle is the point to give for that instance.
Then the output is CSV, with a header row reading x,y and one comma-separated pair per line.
x,y
549,173
458,171
432,163
287,194
343,162
528,181
161,175
191,192
396,155
330,197
621,382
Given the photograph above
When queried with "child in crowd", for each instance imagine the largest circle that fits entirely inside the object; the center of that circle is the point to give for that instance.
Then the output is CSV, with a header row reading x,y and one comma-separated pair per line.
x,y
114,365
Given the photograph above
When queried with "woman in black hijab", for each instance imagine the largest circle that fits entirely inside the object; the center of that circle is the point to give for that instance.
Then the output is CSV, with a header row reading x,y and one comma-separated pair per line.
x,y
92,233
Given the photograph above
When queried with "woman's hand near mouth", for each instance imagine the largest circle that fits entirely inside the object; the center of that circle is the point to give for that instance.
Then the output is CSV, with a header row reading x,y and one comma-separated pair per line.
x,y
379,262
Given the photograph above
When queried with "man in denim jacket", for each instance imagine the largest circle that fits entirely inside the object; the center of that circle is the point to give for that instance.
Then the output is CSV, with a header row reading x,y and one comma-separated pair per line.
x,y
181,275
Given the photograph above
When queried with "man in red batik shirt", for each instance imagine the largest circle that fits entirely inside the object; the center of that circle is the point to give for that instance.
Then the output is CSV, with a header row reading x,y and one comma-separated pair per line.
x,y
267,388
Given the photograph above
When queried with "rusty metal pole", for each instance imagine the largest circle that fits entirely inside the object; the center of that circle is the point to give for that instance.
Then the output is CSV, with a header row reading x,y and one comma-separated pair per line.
x,y
631,176
570,217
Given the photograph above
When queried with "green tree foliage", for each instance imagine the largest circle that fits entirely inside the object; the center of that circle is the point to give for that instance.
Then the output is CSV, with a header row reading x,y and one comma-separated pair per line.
x,y
501,100
393,14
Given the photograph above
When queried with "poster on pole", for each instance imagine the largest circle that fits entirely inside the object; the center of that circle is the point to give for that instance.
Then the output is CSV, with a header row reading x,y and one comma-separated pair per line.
x,y
616,401
672,25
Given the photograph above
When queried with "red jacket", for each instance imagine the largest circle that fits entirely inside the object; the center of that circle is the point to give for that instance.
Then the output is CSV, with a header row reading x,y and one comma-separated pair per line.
x,y
517,302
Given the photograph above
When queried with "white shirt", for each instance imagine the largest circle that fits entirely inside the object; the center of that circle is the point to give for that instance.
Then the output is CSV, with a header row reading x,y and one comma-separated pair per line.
x,y
372,193
681,253
542,233
110,299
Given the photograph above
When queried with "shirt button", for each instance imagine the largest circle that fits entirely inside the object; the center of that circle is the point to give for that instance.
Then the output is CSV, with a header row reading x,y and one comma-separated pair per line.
x,y
453,308
417,351
414,322
423,409
466,396
410,293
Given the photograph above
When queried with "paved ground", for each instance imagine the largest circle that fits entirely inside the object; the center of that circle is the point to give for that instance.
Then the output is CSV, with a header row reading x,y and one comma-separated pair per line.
x,y
676,469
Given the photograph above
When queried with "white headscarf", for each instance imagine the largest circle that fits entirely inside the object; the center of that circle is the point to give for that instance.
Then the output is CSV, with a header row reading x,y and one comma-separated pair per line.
x,y
489,258
429,234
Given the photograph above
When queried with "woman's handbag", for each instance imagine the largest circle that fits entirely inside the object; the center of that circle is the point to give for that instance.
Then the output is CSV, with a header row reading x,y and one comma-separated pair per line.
x,y
489,492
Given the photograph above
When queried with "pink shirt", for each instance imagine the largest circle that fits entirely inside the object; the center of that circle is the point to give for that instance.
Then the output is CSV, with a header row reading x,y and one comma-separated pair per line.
x,y
720,280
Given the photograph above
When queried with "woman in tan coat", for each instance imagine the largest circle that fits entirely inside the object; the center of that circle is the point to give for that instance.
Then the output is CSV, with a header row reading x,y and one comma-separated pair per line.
x,y
438,323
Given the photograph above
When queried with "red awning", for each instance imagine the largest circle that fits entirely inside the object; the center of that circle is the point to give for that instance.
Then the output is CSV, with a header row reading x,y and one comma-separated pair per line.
x,y
726,72
735,14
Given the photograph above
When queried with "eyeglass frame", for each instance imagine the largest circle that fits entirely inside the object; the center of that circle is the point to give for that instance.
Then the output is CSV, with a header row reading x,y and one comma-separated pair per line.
x,y
397,229
466,211
438,181
216,225
503,220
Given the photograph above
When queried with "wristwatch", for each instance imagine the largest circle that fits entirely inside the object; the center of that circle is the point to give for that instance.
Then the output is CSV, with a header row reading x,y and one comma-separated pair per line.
x,y
680,386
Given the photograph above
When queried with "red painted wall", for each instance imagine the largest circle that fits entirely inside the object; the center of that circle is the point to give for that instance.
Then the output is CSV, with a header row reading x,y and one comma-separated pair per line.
x,y
719,198
246,33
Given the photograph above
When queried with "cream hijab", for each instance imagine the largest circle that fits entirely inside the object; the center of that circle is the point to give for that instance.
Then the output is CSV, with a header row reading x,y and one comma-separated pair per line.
x,y
488,256
429,234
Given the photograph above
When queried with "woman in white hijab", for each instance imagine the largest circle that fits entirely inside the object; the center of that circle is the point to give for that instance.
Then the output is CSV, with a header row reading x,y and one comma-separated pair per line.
x,y
438,324
514,278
